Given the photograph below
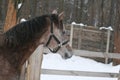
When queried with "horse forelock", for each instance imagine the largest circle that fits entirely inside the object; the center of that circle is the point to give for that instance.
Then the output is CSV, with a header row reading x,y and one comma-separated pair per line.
x,y
55,19
25,32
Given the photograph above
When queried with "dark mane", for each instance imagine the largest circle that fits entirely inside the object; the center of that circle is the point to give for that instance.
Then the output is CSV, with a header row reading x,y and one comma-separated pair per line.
x,y
25,32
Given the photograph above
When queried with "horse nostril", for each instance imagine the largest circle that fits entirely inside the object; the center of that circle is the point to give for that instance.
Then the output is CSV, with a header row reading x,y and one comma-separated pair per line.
x,y
67,56
45,53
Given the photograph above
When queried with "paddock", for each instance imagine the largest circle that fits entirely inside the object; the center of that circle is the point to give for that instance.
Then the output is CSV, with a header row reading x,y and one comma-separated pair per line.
x,y
84,53
81,73
33,68
76,68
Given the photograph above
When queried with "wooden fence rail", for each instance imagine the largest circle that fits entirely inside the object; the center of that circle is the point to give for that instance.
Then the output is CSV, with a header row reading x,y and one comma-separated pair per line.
x,y
79,73
85,53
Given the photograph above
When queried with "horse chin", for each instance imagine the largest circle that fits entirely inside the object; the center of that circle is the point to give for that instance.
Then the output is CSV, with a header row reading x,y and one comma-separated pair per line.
x,y
67,56
66,52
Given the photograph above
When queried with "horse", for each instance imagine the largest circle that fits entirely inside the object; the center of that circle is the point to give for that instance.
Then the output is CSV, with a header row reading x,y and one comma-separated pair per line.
x,y
19,42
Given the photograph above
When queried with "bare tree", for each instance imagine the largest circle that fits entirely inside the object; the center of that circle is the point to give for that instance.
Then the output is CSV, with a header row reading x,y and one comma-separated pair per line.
x,y
117,30
11,17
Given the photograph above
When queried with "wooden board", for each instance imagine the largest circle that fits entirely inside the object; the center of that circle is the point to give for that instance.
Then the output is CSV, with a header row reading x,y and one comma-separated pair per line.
x,y
34,64
96,54
79,73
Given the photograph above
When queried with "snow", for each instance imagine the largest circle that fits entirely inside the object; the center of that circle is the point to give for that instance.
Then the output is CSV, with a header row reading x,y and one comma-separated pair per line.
x,y
19,5
23,20
106,28
80,24
56,77
54,61
73,23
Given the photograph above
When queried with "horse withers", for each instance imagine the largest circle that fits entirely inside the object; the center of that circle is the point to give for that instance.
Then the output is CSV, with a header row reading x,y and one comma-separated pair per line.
x,y
18,43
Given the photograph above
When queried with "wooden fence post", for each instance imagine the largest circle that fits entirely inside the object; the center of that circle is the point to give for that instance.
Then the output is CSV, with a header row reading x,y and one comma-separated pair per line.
x,y
107,45
119,75
23,72
34,64
80,37
71,35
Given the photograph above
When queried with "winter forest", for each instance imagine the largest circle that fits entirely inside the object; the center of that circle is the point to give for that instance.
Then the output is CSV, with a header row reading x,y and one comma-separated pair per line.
x,y
92,12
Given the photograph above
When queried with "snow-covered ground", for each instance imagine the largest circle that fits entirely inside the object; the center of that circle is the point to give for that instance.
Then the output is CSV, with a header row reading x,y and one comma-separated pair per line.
x,y
54,61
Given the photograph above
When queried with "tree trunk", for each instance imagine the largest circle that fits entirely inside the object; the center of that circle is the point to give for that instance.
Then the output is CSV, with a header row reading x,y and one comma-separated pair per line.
x,y
3,9
117,32
11,17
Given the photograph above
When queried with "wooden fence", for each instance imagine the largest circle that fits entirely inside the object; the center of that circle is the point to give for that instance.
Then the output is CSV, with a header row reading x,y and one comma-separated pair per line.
x,y
86,73
85,34
33,73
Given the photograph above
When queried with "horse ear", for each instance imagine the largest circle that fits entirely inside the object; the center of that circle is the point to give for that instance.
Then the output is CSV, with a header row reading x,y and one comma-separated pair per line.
x,y
54,12
61,16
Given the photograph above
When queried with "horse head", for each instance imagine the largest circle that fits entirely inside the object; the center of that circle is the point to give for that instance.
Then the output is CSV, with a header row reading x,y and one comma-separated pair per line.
x,y
58,39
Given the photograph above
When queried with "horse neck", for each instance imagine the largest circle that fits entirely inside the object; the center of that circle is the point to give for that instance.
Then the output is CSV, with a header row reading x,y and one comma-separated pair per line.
x,y
30,48
20,54
13,61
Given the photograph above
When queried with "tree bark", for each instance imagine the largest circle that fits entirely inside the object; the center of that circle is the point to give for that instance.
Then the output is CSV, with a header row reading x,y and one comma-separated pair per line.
x,y
117,32
11,17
